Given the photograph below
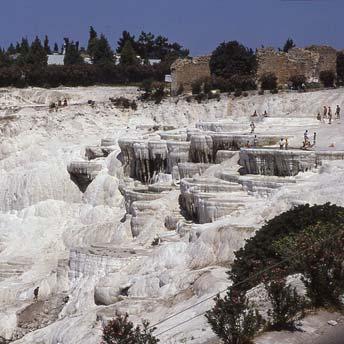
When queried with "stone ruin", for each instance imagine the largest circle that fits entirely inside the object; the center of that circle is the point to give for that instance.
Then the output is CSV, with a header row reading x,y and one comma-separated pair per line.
x,y
186,71
309,62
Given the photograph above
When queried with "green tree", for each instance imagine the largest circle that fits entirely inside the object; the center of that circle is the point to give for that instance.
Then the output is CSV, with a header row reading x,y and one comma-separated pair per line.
x,y
11,49
287,306
289,44
126,36
340,67
4,58
93,37
320,260
56,48
268,81
128,55
232,58
24,47
72,55
233,320
46,45
122,331
101,51
327,77
260,250
37,55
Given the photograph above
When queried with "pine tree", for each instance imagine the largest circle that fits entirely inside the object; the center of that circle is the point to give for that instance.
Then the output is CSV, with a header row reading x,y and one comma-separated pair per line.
x,y
128,55
101,51
11,49
56,48
24,46
289,44
93,36
126,36
72,55
37,55
46,45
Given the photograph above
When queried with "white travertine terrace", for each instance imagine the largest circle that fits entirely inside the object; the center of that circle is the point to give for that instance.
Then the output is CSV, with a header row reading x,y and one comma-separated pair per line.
x,y
168,193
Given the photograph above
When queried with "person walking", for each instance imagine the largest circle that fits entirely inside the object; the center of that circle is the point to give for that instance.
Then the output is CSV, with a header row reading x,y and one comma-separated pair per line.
x,y
255,141
35,294
286,144
325,112
314,138
338,112
281,143
329,115
252,127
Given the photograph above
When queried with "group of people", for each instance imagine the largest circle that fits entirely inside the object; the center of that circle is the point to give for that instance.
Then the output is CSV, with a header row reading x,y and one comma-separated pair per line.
x,y
306,141
255,114
284,143
60,103
327,114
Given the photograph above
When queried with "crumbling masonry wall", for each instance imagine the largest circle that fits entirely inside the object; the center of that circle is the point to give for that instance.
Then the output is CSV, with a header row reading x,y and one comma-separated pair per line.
x,y
309,61
186,71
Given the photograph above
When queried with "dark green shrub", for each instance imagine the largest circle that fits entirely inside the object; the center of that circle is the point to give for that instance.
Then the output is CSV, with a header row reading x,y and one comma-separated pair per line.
x,y
287,306
122,331
297,81
201,97
261,92
340,68
320,261
207,85
243,82
233,320
232,58
274,91
260,250
245,94
124,103
268,81
327,78
237,93
196,87
222,84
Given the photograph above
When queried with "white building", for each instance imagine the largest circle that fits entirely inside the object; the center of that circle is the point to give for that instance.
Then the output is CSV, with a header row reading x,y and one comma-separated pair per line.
x,y
56,59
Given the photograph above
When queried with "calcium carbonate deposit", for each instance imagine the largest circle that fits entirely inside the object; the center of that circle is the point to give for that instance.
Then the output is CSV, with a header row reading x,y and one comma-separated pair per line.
x,y
106,209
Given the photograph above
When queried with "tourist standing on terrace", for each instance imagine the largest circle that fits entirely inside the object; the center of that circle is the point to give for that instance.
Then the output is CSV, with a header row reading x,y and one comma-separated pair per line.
x,y
338,112
281,143
325,112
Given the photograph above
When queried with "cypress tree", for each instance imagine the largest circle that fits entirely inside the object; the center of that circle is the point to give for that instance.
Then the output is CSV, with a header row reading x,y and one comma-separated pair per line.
x,y
128,55
46,45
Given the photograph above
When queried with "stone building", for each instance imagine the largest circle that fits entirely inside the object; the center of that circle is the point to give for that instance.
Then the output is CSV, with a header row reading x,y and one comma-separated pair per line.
x,y
186,71
309,62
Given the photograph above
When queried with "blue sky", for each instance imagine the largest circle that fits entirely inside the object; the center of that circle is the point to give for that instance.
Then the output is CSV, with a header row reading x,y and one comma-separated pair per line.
x,y
199,25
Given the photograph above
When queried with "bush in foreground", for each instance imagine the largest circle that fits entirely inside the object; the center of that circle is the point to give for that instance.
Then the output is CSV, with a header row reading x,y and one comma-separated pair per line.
x,y
122,331
233,320
287,306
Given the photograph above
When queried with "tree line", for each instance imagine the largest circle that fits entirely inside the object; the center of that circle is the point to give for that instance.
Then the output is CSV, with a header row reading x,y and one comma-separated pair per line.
x,y
26,63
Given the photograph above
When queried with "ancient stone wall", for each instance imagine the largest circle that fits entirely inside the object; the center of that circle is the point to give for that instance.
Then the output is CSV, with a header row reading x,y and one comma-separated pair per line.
x,y
186,71
309,61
